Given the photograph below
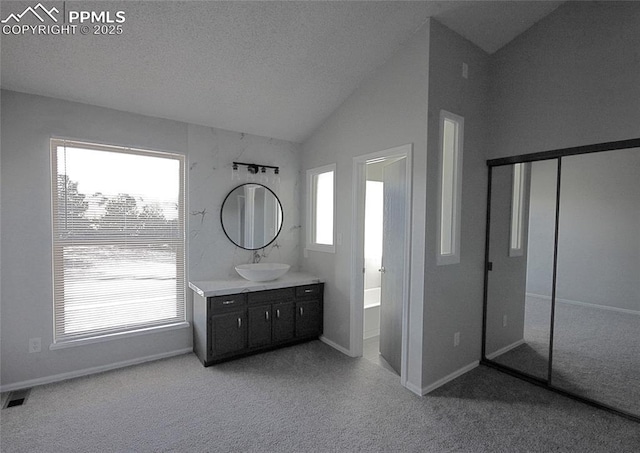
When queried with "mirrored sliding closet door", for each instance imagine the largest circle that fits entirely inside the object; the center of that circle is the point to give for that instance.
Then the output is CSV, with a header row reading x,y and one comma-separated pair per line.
x,y
596,347
562,295
519,281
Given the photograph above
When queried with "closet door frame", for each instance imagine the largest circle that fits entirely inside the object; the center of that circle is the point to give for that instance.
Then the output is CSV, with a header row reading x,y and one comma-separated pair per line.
x,y
556,154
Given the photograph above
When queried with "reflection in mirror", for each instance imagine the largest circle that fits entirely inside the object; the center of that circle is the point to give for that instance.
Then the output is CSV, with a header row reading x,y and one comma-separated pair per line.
x,y
251,216
596,351
521,255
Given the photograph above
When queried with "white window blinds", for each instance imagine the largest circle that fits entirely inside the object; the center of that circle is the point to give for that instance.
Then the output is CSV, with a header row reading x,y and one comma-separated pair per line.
x,y
118,239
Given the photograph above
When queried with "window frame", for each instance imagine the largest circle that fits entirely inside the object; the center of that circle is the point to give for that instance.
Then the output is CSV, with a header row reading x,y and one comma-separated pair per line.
x,y
60,340
312,175
455,203
516,227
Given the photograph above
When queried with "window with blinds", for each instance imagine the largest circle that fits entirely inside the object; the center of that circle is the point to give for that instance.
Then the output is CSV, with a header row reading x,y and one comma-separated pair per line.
x,y
118,239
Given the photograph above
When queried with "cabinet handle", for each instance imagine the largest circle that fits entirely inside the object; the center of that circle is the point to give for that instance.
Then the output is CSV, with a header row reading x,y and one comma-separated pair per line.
x,y
301,311
278,313
227,302
266,315
308,290
239,322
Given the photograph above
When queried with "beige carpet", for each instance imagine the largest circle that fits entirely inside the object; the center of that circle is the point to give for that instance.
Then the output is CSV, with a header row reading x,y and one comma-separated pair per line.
x,y
306,398
596,352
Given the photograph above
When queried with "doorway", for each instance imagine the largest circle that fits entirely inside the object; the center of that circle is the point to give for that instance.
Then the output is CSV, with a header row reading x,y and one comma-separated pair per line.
x,y
382,189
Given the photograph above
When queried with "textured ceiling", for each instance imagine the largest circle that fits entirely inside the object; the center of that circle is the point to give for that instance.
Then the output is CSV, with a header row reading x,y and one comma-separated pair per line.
x,y
276,69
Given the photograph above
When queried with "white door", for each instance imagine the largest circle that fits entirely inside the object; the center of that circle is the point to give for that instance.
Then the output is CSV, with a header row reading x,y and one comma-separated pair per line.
x,y
393,262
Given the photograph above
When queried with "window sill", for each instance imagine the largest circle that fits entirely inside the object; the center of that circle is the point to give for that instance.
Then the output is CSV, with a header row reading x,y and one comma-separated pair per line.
x,y
446,260
321,248
64,344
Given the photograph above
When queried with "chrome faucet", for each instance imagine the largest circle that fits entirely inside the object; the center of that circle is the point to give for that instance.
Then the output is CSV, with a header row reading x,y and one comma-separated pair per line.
x,y
256,257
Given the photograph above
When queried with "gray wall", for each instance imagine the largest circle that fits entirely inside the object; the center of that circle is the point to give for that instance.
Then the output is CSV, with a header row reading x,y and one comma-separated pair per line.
x,y
599,233
28,122
387,110
453,293
390,109
570,80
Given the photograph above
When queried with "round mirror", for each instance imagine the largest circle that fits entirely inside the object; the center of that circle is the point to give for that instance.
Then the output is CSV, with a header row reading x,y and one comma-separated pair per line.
x,y
251,216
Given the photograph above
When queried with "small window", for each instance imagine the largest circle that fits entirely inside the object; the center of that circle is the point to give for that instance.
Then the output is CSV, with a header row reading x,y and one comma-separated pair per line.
x,y
118,240
450,188
517,210
321,208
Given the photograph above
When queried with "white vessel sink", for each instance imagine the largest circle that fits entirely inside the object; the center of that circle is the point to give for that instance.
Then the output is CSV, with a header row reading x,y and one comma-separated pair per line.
x,y
262,272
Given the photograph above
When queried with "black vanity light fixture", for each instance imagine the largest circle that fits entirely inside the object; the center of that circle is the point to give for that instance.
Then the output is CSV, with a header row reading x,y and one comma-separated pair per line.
x,y
255,168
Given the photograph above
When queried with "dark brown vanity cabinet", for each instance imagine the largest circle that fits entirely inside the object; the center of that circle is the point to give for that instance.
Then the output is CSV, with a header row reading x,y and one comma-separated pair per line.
x,y
226,324
272,323
308,318
226,327
283,328
229,333
308,310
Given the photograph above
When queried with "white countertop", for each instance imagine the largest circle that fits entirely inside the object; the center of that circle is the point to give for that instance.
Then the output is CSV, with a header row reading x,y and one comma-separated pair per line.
x,y
210,288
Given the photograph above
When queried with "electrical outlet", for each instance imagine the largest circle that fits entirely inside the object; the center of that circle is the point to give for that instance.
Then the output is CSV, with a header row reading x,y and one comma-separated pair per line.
x,y
456,339
504,320
465,70
35,344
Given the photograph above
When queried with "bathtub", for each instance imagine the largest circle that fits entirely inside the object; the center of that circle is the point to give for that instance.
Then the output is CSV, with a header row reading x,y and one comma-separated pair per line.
x,y
371,312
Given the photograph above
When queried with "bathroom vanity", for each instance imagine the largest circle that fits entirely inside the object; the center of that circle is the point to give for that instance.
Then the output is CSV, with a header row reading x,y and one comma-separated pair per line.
x,y
234,318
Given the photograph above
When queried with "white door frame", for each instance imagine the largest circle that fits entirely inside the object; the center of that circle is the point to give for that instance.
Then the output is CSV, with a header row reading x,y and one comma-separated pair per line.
x,y
357,251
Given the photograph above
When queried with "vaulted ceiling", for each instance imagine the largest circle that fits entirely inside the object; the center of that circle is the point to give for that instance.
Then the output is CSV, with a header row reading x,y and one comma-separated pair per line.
x,y
276,69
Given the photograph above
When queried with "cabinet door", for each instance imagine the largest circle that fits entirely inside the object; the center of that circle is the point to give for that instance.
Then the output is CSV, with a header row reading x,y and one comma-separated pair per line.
x,y
283,321
259,326
308,318
228,333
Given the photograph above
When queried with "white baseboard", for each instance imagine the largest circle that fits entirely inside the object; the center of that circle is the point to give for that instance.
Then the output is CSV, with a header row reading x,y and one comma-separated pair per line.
x,y
507,348
587,304
448,378
336,346
414,388
88,371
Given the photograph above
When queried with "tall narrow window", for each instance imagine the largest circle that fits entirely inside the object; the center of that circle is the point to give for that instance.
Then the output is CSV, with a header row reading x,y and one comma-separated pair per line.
x,y
450,189
517,210
118,240
321,208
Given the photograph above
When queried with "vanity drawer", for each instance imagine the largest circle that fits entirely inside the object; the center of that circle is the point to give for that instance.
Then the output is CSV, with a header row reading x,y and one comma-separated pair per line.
x,y
271,295
308,290
227,303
